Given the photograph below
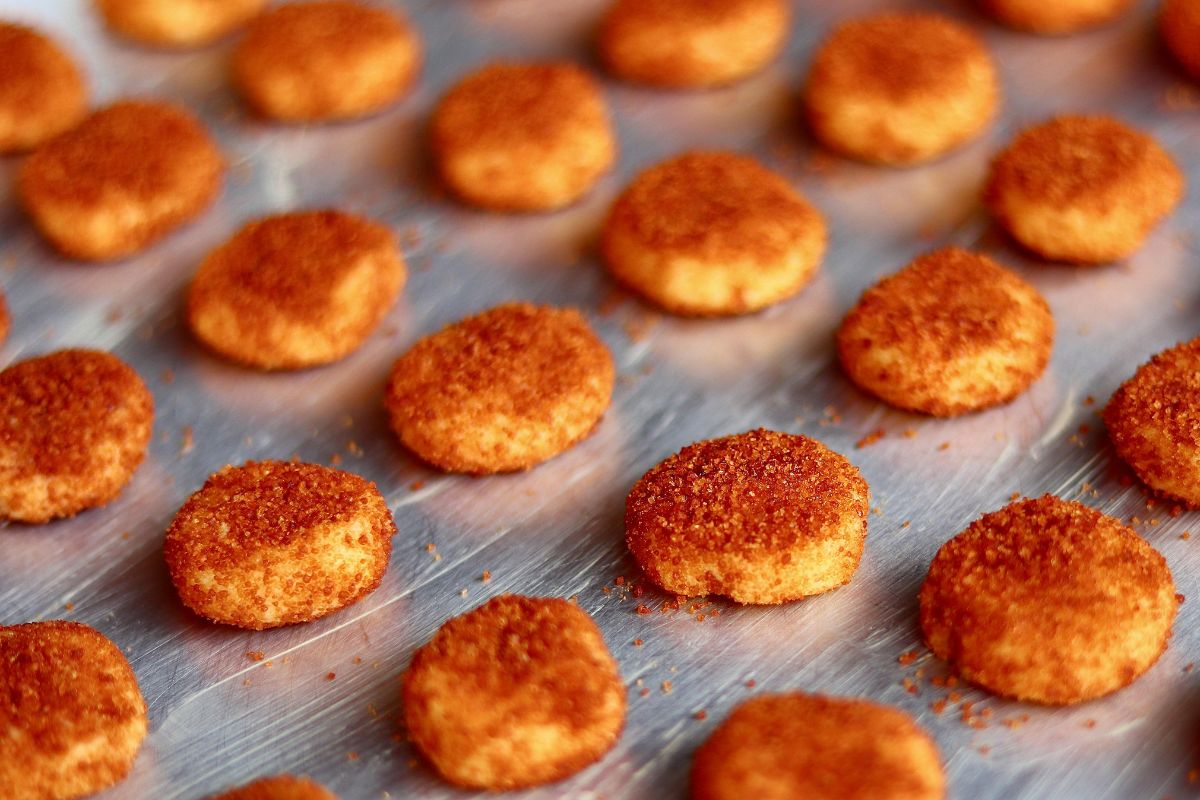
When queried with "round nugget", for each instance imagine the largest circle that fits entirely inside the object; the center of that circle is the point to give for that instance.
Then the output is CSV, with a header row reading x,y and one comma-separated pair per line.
x,y
71,711
952,332
1154,422
296,290
1048,601
760,517
519,692
74,426
1081,189
523,137
325,60
1180,26
1058,17
692,44
900,88
42,92
279,787
501,391
177,23
123,178
274,543
713,234
780,747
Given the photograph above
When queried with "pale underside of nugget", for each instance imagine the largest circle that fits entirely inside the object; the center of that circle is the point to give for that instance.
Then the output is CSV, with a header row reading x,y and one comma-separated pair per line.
x,y
900,88
781,747
519,692
1057,17
761,517
1048,601
177,23
73,716
278,787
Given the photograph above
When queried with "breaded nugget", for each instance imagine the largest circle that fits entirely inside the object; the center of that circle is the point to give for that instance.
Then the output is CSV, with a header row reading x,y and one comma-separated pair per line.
x,y
1048,601
501,391
761,517
1179,23
42,92
177,23
692,44
325,60
74,426
519,692
1082,189
5,317
523,137
1154,422
900,88
713,234
274,543
296,290
126,176
1056,16
791,746
952,332
72,714
278,787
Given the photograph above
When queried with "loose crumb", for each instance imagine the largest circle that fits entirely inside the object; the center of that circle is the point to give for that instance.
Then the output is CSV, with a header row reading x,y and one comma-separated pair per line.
x,y
700,715
256,655
871,438
667,687
330,676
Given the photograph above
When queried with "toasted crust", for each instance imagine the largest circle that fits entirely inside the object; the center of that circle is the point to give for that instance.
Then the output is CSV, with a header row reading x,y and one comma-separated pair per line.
x,y
523,137
713,234
126,176
900,88
42,92
1153,420
780,747
1179,23
1048,601
760,517
952,332
691,44
501,391
71,711
519,692
274,543
296,290
325,60
278,787
1058,17
177,23
1082,189
74,426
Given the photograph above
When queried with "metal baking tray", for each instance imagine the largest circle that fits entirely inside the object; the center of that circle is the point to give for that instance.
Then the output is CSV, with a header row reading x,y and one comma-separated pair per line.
x,y
219,718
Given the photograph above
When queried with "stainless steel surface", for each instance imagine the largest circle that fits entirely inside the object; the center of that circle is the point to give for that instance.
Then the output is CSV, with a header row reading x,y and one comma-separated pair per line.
x,y
217,718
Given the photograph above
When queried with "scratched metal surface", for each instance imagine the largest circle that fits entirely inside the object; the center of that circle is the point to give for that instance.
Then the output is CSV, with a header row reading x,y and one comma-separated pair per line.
x,y
219,719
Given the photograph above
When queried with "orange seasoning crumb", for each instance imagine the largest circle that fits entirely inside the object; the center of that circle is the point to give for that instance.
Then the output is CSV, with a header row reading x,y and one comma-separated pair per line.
x,y
486,576
69,606
643,608
750,684
938,706
1091,723
944,446
871,438
907,657
644,692
700,715
910,433
909,685
416,486
1185,535
637,642
330,676
352,756
667,687
256,655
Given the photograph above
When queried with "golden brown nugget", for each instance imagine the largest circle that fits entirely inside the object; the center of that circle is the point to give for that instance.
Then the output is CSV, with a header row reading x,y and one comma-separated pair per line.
x,y
42,92
1179,23
1048,601
788,746
177,23
126,176
713,234
953,332
1153,420
519,692
296,290
501,391
761,517
900,88
692,44
325,60
279,787
1057,17
74,426
1082,189
274,543
71,711
523,137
